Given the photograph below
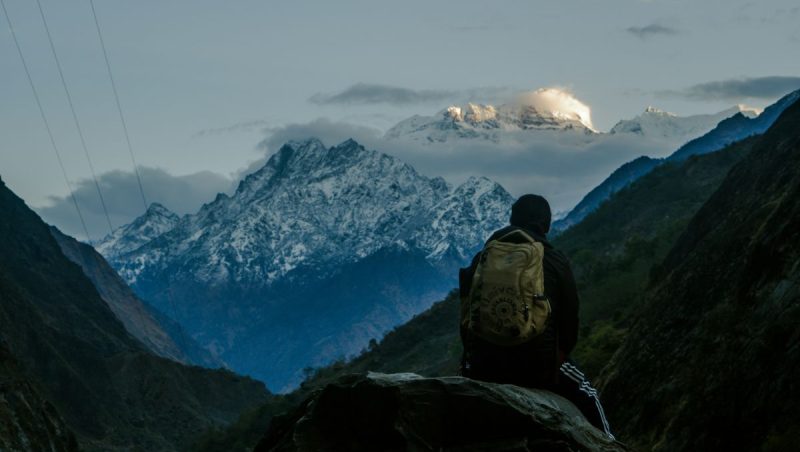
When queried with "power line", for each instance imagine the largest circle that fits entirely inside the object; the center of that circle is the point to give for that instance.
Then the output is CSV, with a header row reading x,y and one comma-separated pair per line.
x,y
74,116
119,107
130,152
44,120
183,348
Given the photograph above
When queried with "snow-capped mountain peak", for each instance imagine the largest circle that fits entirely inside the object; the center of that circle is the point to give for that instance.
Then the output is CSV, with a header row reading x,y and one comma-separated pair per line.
x,y
547,109
473,114
310,203
155,221
556,105
658,124
750,112
657,111
447,229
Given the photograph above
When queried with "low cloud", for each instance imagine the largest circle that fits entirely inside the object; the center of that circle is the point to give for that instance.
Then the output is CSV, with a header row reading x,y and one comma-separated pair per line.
x,y
329,132
366,93
561,166
181,194
244,126
744,88
650,31
371,94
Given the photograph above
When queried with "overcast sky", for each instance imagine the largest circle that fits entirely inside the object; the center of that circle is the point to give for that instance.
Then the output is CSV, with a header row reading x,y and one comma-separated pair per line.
x,y
203,82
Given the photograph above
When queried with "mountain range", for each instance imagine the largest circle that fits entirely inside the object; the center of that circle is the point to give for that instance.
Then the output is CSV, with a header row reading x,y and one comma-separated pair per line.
x,y
694,318
550,112
688,276
244,274
494,123
657,123
728,130
315,254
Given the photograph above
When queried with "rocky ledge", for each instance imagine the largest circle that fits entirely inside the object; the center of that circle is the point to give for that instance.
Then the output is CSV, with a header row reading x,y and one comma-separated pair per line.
x,y
397,412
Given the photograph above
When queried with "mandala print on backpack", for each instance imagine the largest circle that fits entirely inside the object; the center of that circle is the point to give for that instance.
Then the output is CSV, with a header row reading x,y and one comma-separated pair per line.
x,y
507,305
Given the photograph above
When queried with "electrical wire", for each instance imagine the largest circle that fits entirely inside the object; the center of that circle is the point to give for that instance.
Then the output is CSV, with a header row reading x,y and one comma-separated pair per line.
x,y
119,106
75,116
45,121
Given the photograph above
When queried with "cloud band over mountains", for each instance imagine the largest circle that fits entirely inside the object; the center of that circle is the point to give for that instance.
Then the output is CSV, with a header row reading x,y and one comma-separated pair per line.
x,y
561,167
770,87
181,194
373,94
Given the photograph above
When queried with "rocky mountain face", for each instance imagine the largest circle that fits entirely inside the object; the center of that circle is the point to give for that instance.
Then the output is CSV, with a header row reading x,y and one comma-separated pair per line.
x,y
28,422
142,321
408,412
110,391
741,125
713,358
315,254
156,221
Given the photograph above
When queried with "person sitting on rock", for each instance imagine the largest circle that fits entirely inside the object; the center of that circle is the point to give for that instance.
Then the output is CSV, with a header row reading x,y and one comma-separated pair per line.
x,y
519,312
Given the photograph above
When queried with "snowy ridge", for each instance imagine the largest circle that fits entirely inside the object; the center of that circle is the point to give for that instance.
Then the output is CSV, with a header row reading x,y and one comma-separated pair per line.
x,y
743,122
659,124
156,221
478,201
316,253
546,109
484,122
550,113
318,206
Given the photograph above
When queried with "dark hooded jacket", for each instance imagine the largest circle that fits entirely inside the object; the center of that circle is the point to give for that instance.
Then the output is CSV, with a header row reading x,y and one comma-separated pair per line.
x,y
522,364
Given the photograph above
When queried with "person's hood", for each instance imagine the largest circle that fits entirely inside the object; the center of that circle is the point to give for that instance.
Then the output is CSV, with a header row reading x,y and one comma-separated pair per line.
x,y
531,212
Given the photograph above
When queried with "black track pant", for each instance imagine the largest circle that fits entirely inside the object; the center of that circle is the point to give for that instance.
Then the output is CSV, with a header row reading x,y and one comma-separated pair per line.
x,y
573,386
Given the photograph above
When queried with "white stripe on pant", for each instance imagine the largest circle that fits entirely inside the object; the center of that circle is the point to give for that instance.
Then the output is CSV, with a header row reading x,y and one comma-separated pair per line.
x,y
570,371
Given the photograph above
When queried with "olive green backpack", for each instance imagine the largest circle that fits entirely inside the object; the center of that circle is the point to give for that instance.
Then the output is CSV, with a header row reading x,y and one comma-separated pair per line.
x,y
506,304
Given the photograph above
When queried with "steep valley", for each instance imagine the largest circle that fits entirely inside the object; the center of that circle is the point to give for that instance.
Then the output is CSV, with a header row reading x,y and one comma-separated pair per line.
x,y
66,346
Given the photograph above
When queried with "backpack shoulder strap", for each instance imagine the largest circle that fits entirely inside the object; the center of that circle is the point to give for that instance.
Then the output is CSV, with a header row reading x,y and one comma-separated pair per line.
x,y
524,234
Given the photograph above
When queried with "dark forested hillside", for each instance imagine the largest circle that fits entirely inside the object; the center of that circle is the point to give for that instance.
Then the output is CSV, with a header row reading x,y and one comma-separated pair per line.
x,y
111,391
27,420
615,249
145,323
713,359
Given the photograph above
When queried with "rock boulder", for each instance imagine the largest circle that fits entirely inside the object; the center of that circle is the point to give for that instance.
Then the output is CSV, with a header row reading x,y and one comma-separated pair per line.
x,y
381,412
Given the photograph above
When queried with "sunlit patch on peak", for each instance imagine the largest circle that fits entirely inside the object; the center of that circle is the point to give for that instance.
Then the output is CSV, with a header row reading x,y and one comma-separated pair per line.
x,y
559,103
749,111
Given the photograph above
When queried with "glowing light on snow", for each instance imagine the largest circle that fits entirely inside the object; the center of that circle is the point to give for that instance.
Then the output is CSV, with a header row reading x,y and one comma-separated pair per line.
x,y
753,111
559,103
478,112
455,113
